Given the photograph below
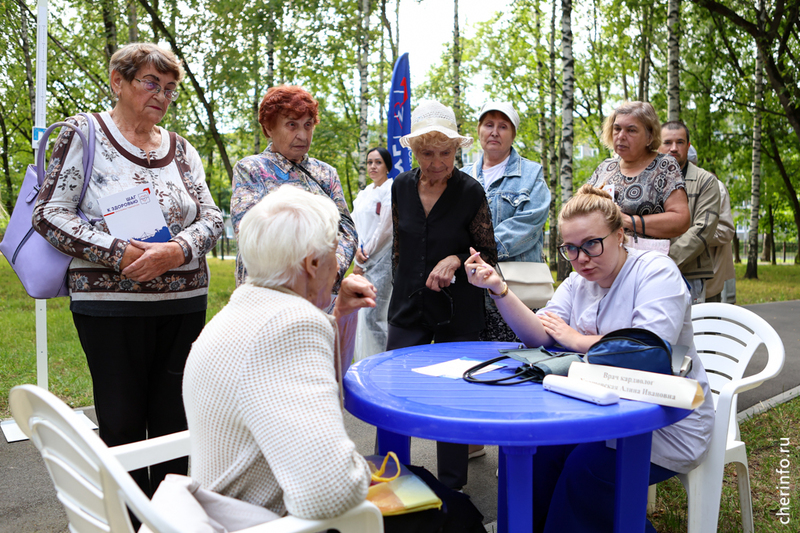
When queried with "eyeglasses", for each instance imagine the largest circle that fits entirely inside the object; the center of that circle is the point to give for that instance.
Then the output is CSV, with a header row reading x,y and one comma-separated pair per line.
x,y
153,87
446,292
592,248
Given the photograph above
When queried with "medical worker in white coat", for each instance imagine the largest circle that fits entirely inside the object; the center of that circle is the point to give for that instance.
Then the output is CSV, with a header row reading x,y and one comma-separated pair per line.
x,y
612,287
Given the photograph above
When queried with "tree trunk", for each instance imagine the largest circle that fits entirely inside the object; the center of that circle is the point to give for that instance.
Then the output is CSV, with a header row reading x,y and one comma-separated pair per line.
x,y
771,235
382,86
737,256
201,95
673,61
363,65
388,25
154,20
10,197
540,77
108,8
26,51
457,79
256,95
644,61
598,55
766,250
555,259
271,29
791,195
133,22
755,196
567,105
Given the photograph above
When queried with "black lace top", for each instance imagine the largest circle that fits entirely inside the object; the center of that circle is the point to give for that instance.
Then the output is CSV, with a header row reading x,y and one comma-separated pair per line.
x,y
459,219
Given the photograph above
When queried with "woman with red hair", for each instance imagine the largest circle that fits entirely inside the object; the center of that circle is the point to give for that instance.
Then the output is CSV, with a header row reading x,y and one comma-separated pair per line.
x,y
288,115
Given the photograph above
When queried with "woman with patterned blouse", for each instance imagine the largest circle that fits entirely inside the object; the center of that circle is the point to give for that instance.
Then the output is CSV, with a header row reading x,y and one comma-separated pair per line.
x,y
438,213
288,115
138,306
647,186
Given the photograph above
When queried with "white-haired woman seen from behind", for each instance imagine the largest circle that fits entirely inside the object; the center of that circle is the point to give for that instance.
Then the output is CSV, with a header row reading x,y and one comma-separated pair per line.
x,y
261,386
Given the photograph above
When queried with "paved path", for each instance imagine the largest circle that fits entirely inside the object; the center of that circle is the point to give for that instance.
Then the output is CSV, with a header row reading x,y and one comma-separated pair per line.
x,y
28,503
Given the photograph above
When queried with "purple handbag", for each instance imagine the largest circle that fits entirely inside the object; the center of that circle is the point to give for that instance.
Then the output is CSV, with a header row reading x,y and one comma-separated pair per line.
x,y
40,267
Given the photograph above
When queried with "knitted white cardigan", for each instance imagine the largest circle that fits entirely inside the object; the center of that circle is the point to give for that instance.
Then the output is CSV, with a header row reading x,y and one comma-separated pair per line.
x,y
262,403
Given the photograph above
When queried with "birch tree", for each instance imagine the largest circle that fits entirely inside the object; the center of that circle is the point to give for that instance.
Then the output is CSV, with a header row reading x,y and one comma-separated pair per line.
x,y
363,65
555,259
673,61
755,190
645,34
567,105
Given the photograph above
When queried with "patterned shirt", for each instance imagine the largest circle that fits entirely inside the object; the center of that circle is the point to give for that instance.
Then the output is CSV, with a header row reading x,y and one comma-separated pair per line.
x,y
646,193
175,172
256,175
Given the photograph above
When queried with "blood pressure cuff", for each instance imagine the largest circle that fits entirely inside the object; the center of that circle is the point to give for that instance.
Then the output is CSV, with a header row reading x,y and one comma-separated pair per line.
x,y
633,348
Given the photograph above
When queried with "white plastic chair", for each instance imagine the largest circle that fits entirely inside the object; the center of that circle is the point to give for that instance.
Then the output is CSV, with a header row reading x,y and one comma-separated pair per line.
x,y
726,337
93,484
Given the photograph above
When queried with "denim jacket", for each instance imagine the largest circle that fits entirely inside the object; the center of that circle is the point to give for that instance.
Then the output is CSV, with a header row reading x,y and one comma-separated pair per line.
x,y
519,202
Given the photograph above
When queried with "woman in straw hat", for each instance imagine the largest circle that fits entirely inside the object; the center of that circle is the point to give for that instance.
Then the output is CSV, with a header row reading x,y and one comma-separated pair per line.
x,y
438,213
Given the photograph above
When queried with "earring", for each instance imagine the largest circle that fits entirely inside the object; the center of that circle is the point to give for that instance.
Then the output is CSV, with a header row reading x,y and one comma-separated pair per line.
x,y
620,245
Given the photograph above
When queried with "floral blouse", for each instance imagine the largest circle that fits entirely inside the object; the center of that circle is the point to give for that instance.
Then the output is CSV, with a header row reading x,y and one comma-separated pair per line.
x,y
255,176
646,193
175,172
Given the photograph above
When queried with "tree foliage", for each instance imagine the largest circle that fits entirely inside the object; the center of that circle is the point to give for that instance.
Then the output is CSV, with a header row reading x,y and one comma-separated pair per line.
x,y
236,49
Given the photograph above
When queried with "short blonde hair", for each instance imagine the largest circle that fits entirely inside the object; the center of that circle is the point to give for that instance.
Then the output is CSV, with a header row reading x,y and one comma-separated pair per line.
x,y
433,140
132,57
279,232
641,111
588,200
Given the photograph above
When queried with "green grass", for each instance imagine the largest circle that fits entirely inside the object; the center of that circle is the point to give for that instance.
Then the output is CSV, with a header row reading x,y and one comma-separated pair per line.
x,y
777,283
763,434
68,374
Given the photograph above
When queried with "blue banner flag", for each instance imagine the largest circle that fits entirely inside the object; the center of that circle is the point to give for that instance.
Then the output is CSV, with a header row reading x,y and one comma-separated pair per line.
x,y
399,116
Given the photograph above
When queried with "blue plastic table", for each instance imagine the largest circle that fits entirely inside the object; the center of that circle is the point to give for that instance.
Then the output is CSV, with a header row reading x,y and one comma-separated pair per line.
x,y
382,390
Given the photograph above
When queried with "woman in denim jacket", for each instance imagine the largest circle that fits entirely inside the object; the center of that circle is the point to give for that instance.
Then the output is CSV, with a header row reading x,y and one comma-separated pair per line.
x,y
518,197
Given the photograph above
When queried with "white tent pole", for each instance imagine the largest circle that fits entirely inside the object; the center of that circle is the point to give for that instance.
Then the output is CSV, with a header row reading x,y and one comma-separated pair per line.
x,y
40,122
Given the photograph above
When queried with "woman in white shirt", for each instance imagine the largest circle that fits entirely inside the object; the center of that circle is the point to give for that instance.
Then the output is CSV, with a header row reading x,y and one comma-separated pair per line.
x,y
372,214
611,288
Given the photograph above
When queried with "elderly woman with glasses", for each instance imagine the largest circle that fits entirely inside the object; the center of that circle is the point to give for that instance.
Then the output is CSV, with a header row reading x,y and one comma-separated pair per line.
x,y
612,287
137,305
439,213
288,115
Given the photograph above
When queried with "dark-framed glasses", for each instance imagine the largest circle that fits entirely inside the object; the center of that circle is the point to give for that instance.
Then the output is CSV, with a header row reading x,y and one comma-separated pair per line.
x,y
152,87
446,292
592,248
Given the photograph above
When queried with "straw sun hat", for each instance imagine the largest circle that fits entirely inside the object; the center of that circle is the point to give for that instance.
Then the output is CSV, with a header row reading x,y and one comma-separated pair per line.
x,y
430,116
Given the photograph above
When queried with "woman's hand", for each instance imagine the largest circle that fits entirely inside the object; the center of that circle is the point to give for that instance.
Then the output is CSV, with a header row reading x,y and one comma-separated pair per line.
x,y
152,259
355,292
555,326
442,274
482,274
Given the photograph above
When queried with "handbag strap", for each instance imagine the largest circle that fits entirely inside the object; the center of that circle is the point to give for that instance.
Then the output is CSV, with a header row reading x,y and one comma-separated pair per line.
x,y
88,156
